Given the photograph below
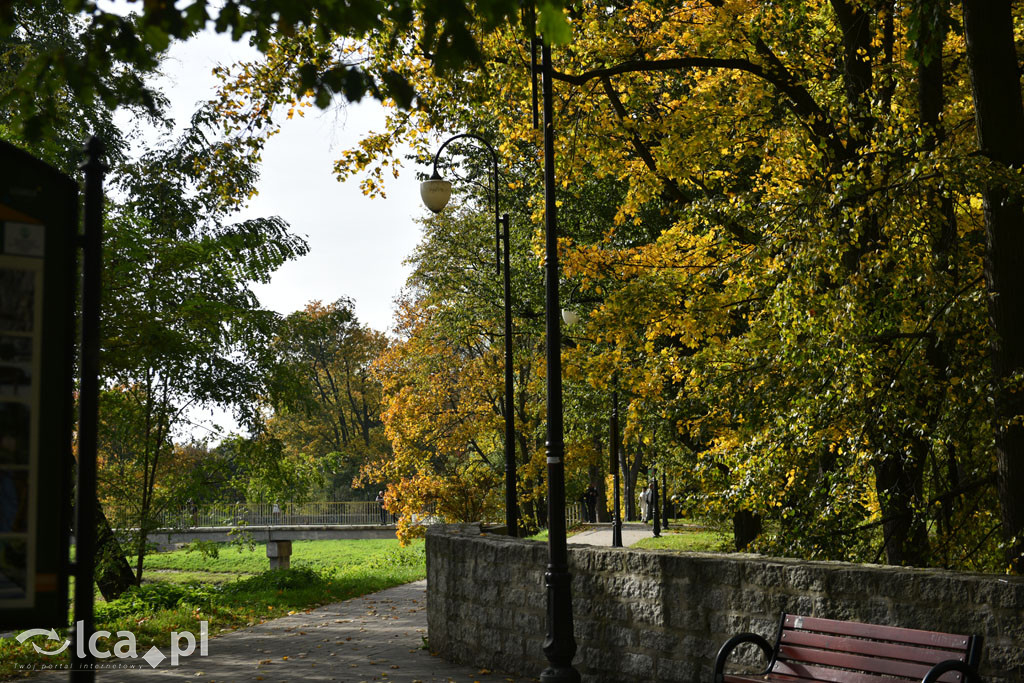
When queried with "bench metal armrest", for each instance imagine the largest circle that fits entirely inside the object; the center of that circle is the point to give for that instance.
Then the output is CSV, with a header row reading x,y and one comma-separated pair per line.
x,y
936,672
730,645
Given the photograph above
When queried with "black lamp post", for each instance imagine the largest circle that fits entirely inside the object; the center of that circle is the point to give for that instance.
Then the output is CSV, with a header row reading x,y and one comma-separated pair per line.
x,y
560,644
664,498
435,193
613,428
654,503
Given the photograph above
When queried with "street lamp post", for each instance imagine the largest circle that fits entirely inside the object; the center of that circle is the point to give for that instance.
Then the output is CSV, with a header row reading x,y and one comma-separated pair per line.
x,y
664,498
560,643
435,193
654,503
613,428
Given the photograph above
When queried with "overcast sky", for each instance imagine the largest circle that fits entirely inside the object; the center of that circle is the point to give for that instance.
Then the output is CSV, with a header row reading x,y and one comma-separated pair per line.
x,y
357,244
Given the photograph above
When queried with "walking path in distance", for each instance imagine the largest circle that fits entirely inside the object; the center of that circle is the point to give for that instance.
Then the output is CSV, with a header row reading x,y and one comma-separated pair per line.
x,y
602,534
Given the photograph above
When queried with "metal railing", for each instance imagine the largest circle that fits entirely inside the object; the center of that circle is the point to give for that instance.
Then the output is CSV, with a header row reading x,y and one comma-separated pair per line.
x,y
573,514
352,513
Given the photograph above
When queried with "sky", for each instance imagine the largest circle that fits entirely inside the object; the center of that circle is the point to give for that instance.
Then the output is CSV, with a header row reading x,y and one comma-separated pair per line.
x,y
357,245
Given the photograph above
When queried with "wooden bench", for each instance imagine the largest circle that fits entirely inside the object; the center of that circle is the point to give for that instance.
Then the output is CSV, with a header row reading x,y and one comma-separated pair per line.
x,y
813,650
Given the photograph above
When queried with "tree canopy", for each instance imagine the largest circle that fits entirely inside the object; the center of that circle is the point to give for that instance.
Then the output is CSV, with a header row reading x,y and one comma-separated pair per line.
x,y
775,217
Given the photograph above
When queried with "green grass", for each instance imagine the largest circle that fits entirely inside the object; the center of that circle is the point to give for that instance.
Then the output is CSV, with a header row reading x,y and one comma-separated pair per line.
x,y
174,576
242,559
688,539
694,538
236,589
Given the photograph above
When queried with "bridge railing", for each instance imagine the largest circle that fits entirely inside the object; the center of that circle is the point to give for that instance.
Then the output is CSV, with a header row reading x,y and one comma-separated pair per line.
x,y
350,513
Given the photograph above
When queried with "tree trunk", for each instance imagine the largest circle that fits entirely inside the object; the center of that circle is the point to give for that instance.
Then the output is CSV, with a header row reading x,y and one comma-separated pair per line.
x,y
631,470
113,574
596,473
999,117
899,482
746,526
541,504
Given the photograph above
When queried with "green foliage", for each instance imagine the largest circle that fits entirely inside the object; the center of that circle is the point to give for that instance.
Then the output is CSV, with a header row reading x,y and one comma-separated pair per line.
x,y
325,419
276,580
103,62
140,601
181,326
209,550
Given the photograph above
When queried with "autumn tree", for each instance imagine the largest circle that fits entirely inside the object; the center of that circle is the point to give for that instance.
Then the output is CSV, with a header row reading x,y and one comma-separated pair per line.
x,y
325,403
182,327
796,258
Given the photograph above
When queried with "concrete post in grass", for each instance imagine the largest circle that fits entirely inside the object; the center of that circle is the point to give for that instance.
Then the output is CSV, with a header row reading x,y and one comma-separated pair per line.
x,y
280,554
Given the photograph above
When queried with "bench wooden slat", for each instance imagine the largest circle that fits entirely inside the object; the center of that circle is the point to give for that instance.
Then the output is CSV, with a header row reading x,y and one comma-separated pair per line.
x,y
816,650
735,678
795,656
807,672
895,634
910,653
811,672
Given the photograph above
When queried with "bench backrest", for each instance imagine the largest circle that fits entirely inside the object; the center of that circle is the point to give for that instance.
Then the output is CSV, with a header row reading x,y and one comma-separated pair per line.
x,y
811,648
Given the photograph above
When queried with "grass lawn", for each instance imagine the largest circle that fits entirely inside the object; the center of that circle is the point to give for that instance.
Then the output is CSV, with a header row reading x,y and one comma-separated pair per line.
x,y
235,559
688,539
233,590
693,537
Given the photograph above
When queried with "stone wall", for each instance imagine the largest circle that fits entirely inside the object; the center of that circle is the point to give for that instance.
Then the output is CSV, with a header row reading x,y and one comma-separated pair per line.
x,y
645,615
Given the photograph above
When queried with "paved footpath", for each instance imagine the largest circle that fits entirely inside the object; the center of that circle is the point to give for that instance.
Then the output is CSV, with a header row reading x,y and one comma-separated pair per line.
x,y
601,534
377,637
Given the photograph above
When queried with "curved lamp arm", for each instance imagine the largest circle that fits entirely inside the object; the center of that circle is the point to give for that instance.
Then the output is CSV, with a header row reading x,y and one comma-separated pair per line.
x,y
436,190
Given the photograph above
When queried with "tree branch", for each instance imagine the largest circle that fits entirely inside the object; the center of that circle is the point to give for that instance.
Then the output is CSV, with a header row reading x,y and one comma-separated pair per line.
x,y
813,117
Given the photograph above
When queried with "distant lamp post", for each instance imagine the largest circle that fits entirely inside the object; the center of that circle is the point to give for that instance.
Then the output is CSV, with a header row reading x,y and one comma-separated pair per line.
x,y
665,504
614,456
435,192
654,502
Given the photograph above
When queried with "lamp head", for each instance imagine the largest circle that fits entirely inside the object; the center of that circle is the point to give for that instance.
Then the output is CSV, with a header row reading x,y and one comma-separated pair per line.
x,y
570,316
436,192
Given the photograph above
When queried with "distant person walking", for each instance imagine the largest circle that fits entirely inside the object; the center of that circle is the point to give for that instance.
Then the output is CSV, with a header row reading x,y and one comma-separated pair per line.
x,y
647,503
590,503
380,503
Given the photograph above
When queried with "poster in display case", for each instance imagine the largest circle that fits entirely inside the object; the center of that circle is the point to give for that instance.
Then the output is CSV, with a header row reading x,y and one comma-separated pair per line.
x,y
38,229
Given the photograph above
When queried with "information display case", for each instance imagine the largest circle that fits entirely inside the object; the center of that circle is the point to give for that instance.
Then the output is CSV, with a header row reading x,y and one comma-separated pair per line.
x,y
38,283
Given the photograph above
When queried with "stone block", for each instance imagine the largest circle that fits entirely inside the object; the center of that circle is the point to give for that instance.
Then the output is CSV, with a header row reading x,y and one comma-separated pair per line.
x,y
661,641
280,554
765,575
803,578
